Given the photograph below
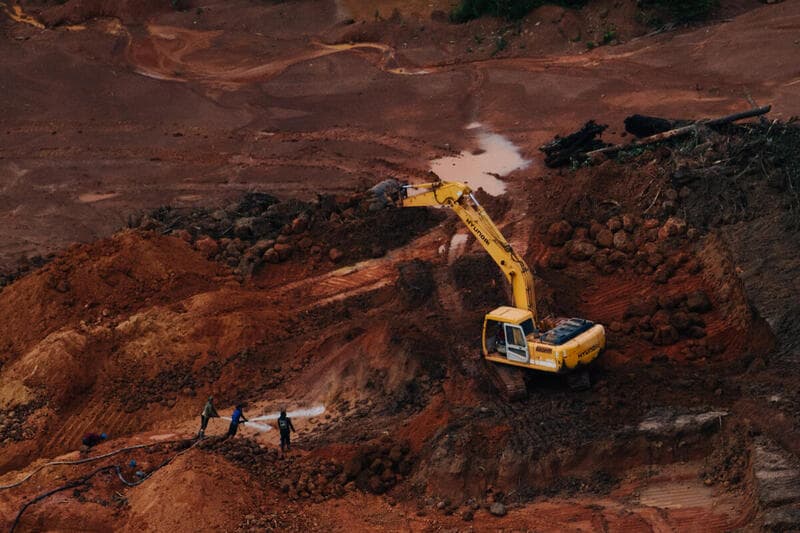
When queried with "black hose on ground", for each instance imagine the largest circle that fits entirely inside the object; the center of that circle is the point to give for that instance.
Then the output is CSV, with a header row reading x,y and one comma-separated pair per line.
x,y
83,480
88,460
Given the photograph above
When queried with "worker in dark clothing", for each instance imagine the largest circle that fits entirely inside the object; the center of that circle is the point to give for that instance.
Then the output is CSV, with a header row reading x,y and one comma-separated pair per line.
x,y
208,412
236,418
93,439
286,427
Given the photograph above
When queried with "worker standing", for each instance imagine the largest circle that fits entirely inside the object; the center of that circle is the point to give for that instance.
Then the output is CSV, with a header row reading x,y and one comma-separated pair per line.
x,y
236,418
93,439
209,411
286,427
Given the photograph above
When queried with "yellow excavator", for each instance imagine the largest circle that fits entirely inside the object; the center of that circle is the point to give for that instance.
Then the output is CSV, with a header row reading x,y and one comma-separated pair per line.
x,y
511,334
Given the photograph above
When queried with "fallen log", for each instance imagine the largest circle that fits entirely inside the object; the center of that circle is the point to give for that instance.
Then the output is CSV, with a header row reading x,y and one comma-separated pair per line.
x,y
561,150
677,132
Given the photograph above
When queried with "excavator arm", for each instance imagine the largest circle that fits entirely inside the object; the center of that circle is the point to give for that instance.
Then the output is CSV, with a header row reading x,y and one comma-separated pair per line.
x,y
460,199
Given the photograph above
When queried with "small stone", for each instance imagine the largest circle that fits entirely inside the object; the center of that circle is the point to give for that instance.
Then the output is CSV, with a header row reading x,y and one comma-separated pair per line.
x,y
498,509
272,256
614,224
207,246
335,255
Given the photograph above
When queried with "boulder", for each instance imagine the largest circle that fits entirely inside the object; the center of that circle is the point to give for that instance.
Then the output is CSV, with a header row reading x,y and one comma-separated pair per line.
x,y
623,242
594,228
665,335
284,250
243,227
207,246
673,227
559,233
628,223
300,224
680,320
581,250
614,224
272,256
557,260
604,238
698,302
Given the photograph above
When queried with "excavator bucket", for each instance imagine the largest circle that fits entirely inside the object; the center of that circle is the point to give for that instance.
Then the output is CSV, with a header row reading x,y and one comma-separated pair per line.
x,y
385,194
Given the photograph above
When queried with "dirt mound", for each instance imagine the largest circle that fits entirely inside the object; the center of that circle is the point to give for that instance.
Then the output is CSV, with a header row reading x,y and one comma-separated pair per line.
x,y
181,496
96,283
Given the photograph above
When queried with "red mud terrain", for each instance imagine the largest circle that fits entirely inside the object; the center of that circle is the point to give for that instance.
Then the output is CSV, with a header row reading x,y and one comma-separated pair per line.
x,y
185,213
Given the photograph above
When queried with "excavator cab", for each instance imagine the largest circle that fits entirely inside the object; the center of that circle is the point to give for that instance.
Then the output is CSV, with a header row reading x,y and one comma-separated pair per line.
x,y
506,331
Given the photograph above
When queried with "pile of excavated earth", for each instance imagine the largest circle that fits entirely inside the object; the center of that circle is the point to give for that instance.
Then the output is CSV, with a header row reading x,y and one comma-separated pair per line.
x,y
363,320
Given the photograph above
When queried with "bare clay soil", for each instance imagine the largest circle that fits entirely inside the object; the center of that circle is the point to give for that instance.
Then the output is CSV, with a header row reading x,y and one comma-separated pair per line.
x,y
185,212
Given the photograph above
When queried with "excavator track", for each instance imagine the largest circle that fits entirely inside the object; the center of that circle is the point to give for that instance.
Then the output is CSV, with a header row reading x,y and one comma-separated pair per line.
x,y
509,381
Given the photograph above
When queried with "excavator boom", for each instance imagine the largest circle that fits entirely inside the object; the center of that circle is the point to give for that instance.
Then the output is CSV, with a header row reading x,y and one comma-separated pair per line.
x,y
511,334
460,199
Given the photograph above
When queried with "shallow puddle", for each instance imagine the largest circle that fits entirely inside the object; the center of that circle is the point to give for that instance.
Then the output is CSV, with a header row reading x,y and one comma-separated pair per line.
x,y
496,156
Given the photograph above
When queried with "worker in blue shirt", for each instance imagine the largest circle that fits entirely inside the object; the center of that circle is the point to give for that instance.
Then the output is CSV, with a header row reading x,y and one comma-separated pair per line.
x,y
236,418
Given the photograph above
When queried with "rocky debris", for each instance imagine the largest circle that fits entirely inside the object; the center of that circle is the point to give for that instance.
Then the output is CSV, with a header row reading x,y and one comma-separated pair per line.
x,y
13,422
378,467
670,422
259,229
777,475
297,477
665,319
624,242
23,267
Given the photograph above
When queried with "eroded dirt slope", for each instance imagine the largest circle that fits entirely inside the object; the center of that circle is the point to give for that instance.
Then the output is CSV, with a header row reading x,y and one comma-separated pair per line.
x,y
366,322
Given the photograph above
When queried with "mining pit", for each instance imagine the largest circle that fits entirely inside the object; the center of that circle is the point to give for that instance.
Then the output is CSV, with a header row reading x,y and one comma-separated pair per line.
x,y
185,212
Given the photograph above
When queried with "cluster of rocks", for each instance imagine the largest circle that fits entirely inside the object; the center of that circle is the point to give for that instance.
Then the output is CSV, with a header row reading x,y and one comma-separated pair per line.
x,y
665,319
163,389
376,468
493,503
13,427
25,266
645,246
259,229
319,481
297,477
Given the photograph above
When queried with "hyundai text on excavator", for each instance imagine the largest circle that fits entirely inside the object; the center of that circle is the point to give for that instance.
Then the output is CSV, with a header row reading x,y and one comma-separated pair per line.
x,y
511,334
